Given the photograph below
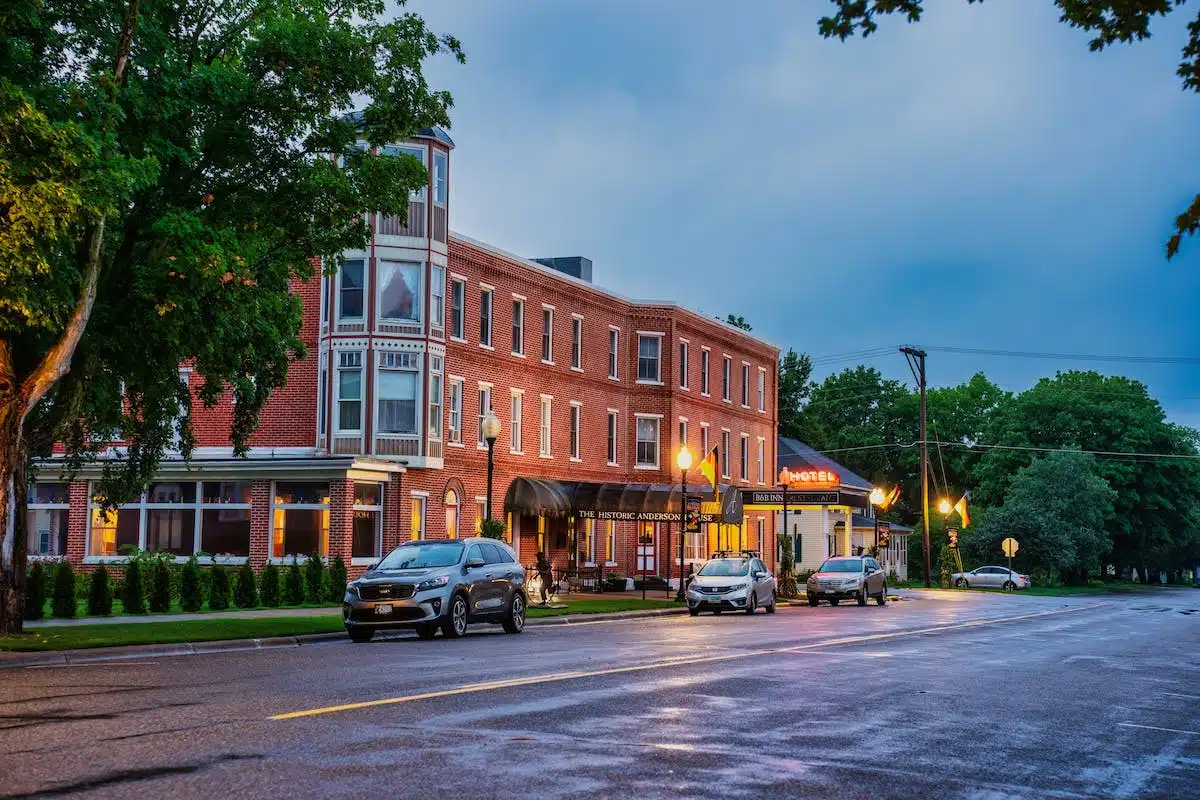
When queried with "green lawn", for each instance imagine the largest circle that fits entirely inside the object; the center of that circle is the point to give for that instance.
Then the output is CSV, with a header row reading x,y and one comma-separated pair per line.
x,y
600,605
69,637
119,608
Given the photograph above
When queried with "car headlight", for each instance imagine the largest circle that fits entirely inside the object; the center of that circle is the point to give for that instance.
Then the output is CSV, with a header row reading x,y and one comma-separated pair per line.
x,y
352,590
433,583
851,582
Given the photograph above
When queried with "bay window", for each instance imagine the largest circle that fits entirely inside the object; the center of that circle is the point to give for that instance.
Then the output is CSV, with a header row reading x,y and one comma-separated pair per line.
x,y
435,406
397,383
437,296
350,391
350,294
440,188
399,290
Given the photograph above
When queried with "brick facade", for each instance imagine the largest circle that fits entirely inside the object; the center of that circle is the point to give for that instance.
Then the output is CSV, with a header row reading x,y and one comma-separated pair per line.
x,y
287,445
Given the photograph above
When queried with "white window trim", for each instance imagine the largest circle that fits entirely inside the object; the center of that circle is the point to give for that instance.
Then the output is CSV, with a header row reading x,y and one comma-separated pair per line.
x,y
617,359
336,428
548,451
491,404
520,299
578,432
66,506
578,317
651,335
547,307
746,383
761,475
724,458
286,559
685,384
658,444
706,349
512,395
366,287
612,412
726,382
491,290
422,289
454,379
456,278
744,467
364,560
762,390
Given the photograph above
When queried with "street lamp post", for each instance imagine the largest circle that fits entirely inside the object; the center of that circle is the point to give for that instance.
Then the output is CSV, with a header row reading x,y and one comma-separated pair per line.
x,y
785,480
491,429
684,461
877,500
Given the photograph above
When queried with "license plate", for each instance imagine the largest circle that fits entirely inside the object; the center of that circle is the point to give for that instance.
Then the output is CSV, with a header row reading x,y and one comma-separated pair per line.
x,y
383,611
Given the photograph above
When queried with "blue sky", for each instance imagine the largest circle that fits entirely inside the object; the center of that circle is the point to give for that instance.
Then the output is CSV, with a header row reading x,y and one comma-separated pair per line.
x,y
978,180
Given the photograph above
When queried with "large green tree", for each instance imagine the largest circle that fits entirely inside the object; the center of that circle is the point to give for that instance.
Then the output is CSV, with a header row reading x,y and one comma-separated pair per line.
x,y
1056,508
166,171
1156,511
795,384
1110,21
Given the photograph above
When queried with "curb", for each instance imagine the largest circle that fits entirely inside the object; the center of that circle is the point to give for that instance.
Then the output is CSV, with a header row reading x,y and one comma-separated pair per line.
x,y
58,658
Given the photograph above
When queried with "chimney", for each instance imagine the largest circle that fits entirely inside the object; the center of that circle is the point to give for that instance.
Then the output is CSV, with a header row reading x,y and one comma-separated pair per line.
x,y
575,266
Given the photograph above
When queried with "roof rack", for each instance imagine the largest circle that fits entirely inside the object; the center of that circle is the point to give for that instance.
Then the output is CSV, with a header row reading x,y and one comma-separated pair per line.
x,y
735,554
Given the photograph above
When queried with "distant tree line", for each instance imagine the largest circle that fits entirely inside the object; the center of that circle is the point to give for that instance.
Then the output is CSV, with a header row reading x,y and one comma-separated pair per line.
x,y
1078,515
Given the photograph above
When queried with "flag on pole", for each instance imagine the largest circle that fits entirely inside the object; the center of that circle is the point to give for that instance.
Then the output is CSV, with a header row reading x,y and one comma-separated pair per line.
x,y
961,508
892,497
708,467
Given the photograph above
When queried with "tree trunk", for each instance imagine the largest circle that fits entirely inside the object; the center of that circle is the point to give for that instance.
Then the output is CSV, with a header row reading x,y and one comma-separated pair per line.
x,y
13,504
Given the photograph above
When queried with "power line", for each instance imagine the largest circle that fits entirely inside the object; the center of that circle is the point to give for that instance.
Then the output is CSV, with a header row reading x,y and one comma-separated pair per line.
x,y
1028,448
977,351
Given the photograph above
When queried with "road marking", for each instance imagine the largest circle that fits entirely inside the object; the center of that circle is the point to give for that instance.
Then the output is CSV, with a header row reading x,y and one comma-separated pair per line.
x,y
1156,728
472,688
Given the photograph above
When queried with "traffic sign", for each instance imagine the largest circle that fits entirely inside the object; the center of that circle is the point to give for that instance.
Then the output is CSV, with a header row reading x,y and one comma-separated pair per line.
x,y
1009,546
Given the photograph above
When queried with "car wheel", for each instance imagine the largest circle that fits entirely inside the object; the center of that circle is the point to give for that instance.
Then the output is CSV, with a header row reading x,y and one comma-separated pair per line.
x,y
1009,586
360,635
862,597
426,630
752,606
881,598
961,583
814,602
514,621
771,607
454,624
695,612
716,612
833,601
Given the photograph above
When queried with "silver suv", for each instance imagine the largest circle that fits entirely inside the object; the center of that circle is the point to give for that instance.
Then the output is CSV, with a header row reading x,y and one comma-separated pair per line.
x,y
438,583
848,578
733,584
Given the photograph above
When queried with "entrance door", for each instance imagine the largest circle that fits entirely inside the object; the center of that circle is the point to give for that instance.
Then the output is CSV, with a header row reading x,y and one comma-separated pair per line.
x,y
647,562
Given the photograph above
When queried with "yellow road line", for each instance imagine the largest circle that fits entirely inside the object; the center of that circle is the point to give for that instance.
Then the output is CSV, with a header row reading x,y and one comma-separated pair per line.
x,y
473,688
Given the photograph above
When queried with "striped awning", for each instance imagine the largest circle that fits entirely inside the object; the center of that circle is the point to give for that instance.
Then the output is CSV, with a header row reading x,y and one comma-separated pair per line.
x,y
656,502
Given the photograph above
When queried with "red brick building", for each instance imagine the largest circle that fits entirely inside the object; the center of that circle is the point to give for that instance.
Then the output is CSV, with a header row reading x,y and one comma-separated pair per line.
x,y
377,437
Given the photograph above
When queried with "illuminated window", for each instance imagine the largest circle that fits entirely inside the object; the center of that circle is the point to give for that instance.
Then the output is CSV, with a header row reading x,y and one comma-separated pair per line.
x,y
417,518
368,513
452,512
300,519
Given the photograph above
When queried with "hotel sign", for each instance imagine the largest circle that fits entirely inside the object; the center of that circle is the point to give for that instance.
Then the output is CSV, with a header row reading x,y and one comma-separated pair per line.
x,y
643,516
815,479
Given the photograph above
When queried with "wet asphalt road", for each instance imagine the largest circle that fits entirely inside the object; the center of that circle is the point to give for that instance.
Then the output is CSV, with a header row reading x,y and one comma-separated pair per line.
x,y
958,695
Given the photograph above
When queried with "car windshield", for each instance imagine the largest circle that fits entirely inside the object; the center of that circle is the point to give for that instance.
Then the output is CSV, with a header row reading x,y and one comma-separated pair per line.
x,y
423,556
842,565
726,567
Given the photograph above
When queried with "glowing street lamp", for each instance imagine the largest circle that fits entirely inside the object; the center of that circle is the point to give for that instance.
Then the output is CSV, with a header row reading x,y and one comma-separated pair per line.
x,y
491,430
944,507
878,498
683,460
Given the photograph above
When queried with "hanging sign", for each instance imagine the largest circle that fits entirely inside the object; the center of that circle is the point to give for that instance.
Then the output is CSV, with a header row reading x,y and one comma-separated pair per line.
x,y
815,479
692,515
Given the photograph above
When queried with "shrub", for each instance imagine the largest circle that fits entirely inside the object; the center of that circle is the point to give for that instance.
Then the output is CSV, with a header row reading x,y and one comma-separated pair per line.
x,y
245,590
160,586
218,593
337,580
314,570
787,586
35,592
100,594
190,597
270,586
83,585
132,594
492,529
64,591
293,590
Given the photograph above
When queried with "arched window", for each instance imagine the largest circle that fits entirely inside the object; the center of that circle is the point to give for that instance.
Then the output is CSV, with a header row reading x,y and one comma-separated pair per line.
x,y
453,512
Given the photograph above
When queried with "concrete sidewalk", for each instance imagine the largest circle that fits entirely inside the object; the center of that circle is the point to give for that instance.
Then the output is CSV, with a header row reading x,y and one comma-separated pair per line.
x,y
42,658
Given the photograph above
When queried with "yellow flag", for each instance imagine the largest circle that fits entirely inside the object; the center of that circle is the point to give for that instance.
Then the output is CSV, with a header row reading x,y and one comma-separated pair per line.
x,y
961,508
708,467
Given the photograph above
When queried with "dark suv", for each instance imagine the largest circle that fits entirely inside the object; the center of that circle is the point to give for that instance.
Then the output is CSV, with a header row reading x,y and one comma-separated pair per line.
x,y
438,583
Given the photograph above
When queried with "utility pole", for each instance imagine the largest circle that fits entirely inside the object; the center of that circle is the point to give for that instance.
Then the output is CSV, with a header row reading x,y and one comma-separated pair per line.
x,y
916,362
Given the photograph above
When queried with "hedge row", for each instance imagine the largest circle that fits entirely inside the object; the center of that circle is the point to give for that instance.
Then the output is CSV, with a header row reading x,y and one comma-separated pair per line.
x,y
153,583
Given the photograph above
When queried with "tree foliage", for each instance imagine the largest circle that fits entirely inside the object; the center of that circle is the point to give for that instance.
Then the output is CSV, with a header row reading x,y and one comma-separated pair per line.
x,y
1057,508
738,321
1109,22
795,384
166,173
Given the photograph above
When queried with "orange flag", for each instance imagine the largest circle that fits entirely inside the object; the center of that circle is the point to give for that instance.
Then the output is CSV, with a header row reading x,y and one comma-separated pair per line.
x,y
892,497
961,508
708,467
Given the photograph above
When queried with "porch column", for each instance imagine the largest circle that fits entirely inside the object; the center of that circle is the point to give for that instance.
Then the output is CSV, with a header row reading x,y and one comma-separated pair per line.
x,y
77,522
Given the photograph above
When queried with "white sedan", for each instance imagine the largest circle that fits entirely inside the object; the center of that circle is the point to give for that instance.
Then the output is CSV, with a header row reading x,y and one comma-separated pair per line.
x,y
991,578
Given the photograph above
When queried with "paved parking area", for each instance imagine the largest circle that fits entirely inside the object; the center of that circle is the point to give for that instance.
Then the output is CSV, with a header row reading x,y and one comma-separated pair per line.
x,y
958,694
